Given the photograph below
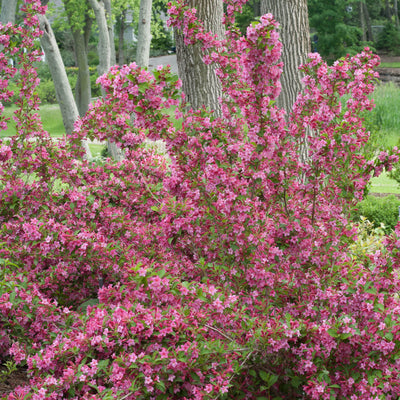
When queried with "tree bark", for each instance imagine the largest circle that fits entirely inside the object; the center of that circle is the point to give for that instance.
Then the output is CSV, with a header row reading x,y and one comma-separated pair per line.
x,y
370,35
121,32
8,11
104,50
144,34
362,20
199,81
256,8
396,13
295,36
64,95
110,27
83,92
103,47
387,10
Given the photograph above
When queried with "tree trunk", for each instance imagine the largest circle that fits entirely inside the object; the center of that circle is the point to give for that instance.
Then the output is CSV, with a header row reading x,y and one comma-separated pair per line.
x,y
396,13
295,36
256,8
103,47
8,11
83,91
387,10
200,83
370,35
144,34
110,27
104,50
64,94
362,20
121,32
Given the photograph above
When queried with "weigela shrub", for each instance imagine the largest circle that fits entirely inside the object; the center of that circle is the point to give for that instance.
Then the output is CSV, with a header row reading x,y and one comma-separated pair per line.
x,y
221,269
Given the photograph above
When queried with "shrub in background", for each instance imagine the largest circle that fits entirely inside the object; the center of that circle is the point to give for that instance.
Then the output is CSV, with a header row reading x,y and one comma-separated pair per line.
x,y
379,210
389,39
47,92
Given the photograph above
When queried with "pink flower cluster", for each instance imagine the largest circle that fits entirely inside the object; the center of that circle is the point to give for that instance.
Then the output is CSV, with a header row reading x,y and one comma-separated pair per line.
x,y
220,269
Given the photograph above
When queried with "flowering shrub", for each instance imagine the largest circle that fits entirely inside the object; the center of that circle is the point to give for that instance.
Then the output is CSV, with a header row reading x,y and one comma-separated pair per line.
x,y
221,270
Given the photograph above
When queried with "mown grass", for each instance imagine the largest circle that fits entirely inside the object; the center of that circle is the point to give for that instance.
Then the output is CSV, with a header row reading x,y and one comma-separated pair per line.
x,y
52,123
384,124
390,65
51,119
383,184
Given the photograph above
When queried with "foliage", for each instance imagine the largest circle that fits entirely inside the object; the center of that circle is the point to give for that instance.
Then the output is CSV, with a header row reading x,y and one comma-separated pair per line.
x,y
370,239
46,92
222,270
337,31
379,210
161,37
389,39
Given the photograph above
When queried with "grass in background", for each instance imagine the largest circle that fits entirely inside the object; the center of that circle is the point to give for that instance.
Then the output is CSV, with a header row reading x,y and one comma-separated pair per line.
x,y
390,65
51,119
96,149
386,114
384,124
384,184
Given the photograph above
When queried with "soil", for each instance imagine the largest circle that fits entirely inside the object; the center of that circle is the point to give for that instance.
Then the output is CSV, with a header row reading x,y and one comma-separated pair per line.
x,y
9,383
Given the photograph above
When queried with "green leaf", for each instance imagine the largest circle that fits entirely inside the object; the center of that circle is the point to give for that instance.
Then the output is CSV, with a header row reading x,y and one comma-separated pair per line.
x,y
333,332
389,336
264,376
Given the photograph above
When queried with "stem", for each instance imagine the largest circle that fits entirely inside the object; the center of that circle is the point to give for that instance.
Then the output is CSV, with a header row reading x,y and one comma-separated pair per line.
x,y
220,332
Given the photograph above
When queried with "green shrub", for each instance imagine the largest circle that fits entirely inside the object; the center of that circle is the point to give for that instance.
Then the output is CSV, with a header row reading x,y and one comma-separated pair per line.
x,y
389,39
47,92
379,210
369,240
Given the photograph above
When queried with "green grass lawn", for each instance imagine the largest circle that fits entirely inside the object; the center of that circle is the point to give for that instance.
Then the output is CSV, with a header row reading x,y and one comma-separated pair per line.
x,y
51,119
383,184
390,65
52,123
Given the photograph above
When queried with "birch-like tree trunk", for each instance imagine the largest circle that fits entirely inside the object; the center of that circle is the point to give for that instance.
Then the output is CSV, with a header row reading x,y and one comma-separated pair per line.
x,y
144,34
199,81
64,95
295,37
103,46
8,11
104,50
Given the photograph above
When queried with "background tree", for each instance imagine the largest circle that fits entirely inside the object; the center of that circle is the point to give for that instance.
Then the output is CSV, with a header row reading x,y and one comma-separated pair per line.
x,y
293,17
338,32
8,11
120,10
199,81
80,23
144,33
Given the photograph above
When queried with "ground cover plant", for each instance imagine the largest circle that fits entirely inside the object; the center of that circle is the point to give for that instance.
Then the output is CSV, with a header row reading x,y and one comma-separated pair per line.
x,y
227,270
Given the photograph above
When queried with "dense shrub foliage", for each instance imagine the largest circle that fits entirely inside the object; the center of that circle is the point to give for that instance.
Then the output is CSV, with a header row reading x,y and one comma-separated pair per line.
x,y
379,210
223,269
